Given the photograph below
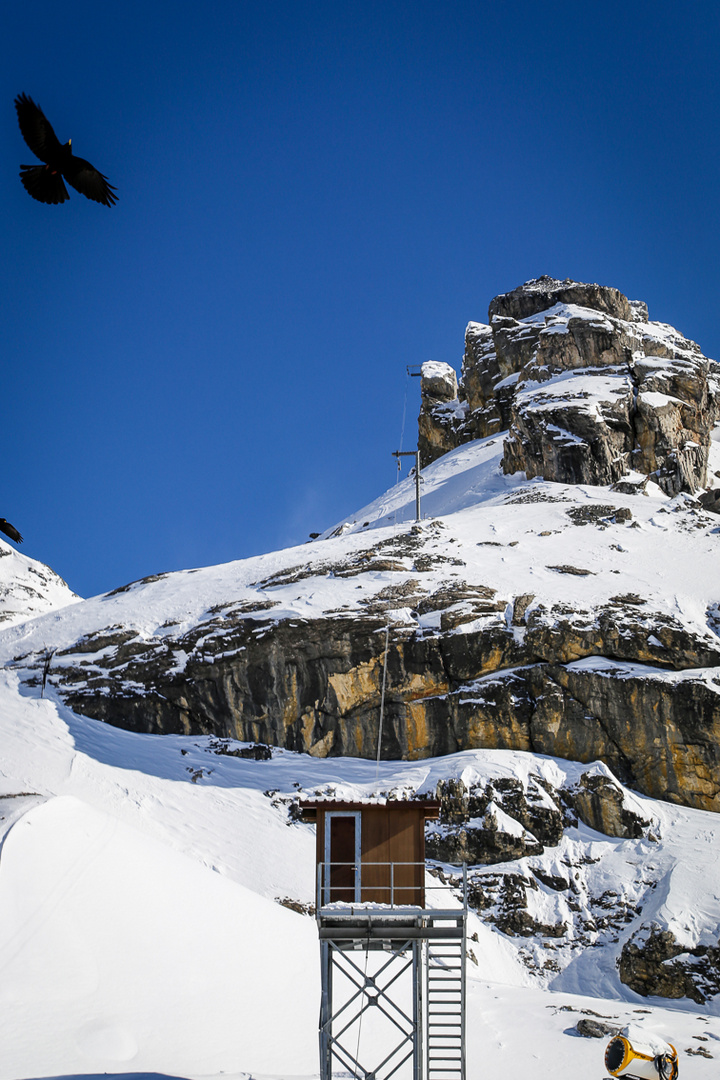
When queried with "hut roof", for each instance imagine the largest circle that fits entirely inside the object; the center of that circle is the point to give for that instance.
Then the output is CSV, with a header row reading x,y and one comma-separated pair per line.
x,y
430,808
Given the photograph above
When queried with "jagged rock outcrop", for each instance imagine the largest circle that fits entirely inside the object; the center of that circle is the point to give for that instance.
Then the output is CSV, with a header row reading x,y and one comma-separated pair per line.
x,y
441,411
544,292
600,803
653,963
532,877
506,820
499,823
586,388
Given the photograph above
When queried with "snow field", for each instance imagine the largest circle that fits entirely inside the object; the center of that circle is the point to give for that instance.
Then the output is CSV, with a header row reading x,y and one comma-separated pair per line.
x,y
139,932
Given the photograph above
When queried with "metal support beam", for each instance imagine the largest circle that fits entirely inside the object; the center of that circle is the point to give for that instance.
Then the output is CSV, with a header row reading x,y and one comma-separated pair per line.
x,y
383,933
325,1011
417,1010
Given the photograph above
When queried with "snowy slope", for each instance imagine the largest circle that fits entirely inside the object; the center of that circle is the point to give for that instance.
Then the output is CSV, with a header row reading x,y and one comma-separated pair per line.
x,y
28,588
139,931
480,527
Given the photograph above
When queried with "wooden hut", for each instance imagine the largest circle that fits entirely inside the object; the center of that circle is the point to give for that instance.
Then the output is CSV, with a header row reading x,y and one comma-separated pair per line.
x,y
370,852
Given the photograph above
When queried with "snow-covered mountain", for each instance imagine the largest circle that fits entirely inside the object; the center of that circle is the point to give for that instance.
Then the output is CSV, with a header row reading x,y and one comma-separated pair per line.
x,y
575,616
568,619
549,650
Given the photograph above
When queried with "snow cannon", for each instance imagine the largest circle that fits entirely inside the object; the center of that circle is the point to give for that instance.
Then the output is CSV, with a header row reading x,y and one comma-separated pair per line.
x,y
638,1055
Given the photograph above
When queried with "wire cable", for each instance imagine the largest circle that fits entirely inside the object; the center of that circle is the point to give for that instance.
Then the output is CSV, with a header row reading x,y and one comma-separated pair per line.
x,y
382,707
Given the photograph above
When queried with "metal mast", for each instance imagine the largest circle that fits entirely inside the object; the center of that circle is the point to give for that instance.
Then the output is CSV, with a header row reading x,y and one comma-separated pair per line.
x,y
416,454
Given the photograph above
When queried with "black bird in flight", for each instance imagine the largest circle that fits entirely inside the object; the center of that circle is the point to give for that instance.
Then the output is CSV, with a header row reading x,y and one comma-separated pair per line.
x,y
10,530
45,182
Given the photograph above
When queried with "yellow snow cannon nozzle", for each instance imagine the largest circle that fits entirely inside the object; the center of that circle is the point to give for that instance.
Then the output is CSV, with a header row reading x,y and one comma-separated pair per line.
x,y
640,1062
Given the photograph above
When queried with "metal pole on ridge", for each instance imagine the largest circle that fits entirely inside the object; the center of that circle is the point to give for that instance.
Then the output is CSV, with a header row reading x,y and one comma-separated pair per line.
x,y
416,454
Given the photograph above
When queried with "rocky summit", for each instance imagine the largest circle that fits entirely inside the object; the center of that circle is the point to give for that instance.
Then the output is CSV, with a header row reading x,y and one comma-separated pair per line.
x,y
561,593
586,387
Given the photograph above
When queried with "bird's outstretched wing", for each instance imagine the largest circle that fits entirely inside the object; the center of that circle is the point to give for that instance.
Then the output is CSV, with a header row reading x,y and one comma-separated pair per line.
x,y
36,129
42,184
86,179
10,530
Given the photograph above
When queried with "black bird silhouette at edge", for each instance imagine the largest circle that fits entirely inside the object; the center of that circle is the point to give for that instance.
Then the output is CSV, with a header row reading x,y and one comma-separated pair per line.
x,y
45,182
10,530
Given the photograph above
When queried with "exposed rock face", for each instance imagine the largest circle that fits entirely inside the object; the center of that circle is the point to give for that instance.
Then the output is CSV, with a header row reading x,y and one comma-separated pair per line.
x,y
653,963
499,823
439,381
586,388
600,804
441,411
543,292
482,408
317,688
532,878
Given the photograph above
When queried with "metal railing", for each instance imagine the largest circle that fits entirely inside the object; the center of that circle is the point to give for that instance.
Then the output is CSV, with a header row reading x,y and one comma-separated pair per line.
x,y
386,884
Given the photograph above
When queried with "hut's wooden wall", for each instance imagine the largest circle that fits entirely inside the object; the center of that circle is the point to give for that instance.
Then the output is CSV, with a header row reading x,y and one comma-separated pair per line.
x,y
394,835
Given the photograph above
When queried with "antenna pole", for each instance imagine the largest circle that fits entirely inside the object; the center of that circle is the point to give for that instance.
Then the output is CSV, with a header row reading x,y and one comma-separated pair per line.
x,y
416,455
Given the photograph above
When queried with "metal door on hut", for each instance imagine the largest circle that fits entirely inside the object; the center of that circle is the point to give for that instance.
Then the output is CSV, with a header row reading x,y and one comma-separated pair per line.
x,y
342,857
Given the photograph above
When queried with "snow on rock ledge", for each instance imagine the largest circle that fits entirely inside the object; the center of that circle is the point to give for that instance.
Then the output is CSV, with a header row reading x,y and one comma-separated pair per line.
x,y
585,386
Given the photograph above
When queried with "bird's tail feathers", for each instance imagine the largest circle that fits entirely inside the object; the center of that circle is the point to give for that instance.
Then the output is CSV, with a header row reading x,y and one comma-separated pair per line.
x,y
43,185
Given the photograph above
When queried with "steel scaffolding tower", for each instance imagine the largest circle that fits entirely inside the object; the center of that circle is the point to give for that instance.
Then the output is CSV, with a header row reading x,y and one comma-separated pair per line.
x,y
417,985
392,943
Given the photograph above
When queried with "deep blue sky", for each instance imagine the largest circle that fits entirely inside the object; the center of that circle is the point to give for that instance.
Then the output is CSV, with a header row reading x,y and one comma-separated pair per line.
x,y
311,197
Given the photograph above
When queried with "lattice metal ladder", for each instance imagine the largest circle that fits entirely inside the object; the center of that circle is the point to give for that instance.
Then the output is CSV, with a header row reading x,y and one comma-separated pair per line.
x,y
445,1010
